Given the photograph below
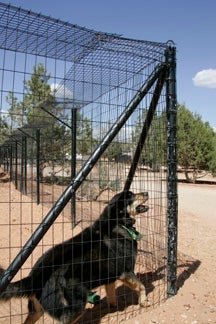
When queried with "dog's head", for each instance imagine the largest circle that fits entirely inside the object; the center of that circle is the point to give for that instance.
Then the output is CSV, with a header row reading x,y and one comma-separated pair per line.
x,y
124,206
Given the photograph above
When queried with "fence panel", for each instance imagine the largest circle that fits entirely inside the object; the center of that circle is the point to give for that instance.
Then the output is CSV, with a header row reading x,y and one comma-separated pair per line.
x,y
84,115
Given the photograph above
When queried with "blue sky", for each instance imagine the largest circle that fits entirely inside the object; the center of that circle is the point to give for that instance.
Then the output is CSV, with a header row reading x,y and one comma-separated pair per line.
x,y
191,24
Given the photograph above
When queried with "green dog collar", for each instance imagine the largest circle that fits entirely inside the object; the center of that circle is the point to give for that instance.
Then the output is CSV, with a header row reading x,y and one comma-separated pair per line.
x,y
136,236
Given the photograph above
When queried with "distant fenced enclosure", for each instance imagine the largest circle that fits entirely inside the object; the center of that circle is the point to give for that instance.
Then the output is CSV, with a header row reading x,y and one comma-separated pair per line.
x,y
84,115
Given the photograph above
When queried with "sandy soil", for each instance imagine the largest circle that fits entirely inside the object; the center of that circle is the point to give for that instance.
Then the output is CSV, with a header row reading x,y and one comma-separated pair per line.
x,y
195,302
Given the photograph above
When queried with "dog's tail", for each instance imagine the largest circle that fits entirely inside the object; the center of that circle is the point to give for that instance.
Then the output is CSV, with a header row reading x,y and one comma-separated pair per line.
x,y
20,288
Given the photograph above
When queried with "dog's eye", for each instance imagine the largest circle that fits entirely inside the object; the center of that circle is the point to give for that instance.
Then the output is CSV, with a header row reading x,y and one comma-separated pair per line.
x,y
129,194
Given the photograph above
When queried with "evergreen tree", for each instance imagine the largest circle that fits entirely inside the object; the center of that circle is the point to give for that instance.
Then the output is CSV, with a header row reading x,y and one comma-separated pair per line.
x,y
196,144
196,140
154,150
4,130
85,141
38,110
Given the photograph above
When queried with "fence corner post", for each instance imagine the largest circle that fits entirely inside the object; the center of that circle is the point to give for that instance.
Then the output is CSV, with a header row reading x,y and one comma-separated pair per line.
x,y
172,203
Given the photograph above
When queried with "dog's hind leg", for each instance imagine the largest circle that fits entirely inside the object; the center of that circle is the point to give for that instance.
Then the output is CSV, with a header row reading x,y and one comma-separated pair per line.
x,y
35,311
64,299
130,280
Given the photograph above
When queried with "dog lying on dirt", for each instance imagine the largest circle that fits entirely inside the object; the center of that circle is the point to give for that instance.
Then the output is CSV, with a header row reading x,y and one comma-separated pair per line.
x,y
63,277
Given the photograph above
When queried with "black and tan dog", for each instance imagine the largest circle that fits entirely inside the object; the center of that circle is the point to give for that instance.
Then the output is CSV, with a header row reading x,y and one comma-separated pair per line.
x,y
62,278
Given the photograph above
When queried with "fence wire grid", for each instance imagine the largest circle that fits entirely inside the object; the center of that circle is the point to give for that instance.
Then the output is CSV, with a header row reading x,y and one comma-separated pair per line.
x,y
70,123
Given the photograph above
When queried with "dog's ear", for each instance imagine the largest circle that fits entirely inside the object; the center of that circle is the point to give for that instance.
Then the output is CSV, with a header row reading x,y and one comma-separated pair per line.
x,y
121,200
124,199
117,206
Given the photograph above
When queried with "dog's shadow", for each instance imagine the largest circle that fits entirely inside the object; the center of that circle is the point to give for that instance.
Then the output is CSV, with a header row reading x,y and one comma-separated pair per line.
x,y
126,297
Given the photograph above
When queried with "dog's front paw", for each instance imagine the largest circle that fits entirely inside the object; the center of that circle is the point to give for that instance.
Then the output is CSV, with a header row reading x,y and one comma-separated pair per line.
x,y
143,301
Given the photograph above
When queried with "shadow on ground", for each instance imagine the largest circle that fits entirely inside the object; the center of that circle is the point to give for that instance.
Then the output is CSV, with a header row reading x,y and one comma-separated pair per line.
x,y
127,300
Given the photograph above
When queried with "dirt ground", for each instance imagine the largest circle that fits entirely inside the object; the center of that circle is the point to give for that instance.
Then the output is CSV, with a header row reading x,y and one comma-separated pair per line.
x,y
195,302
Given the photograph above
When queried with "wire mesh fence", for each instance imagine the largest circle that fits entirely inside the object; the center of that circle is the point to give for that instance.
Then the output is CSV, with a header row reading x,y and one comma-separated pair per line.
x,y
84,115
